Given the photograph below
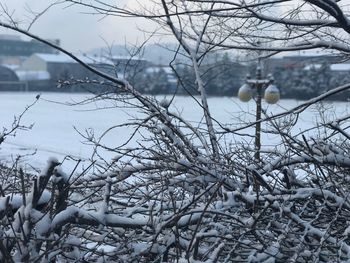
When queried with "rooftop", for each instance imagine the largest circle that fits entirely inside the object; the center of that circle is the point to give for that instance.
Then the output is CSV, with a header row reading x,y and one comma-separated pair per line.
x,y
333,67
9,37
63,58
340,67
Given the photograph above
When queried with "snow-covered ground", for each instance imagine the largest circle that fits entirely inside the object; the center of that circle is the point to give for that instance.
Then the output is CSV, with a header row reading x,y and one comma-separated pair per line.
x,y
54,134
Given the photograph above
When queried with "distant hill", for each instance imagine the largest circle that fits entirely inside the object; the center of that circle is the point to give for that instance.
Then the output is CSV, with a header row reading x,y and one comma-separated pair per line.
x,y
158,54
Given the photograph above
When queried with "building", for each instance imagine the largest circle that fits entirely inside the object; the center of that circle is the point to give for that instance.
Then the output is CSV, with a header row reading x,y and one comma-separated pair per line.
x,y
14,50
125,66
340,68
160,79
7,74
125,61
9,80
334,68
62,68
300,61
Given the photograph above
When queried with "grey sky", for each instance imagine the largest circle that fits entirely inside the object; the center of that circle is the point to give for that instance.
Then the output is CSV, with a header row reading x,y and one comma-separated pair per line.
x,y
76,30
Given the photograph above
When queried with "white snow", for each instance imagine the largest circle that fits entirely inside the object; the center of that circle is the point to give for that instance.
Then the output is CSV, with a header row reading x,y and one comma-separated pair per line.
x,y
16,200
27,75
74,213
43,225
340,67
156,69
53,133
63,58
333,67
312,66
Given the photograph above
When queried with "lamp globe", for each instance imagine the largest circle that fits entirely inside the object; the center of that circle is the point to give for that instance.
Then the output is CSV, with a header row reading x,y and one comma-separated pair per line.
x,y
245,93
272,94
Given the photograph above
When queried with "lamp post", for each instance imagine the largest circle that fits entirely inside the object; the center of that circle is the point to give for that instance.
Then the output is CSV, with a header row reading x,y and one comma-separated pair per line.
x,y
271,95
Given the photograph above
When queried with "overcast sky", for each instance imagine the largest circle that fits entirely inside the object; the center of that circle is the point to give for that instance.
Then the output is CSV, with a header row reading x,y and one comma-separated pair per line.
x,y
77,30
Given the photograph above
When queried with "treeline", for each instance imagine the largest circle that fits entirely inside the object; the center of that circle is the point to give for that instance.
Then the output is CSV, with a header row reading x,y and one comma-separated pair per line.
x,y
301,83
224,77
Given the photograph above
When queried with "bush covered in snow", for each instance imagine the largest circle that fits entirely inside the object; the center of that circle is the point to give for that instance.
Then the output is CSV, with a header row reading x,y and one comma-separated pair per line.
x,y
171,199
195,191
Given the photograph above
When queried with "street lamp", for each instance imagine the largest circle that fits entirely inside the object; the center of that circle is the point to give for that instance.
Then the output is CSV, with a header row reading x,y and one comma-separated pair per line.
x,y
271,95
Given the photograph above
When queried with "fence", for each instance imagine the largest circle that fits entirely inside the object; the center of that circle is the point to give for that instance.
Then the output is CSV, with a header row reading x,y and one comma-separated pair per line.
x,y
13,86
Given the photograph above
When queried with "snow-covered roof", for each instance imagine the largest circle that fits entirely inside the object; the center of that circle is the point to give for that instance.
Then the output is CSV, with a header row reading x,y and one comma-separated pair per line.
x,y
340,67
55,58
167,70
333,67
63,58
96,60
10,66
307,53
9,37
312,66
117,57
155,69
25,75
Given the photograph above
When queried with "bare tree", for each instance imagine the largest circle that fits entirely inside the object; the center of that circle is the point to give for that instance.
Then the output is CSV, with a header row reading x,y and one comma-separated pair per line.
x,y
184,193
